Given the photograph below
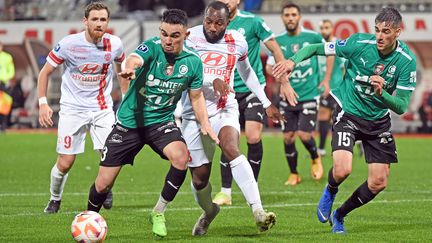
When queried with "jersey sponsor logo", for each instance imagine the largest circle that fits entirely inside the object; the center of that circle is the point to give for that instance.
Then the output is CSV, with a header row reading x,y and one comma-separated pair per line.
x,y
90,68
379,68
166,87
241,30
115,138
183,69
107,57
144,48
169,69
295,48
57,47
214,59
341,42
363,61
413,77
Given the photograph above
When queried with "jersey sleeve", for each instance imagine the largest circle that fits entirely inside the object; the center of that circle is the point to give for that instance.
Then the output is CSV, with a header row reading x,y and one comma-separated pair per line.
x,y
197,78
263,32
119,52
58,54
346,48
408,76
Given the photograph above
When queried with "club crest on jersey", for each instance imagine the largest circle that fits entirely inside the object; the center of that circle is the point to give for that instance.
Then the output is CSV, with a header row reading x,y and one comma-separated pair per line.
x,y
295,48
169,69
231,48
379,68
183,69
107,57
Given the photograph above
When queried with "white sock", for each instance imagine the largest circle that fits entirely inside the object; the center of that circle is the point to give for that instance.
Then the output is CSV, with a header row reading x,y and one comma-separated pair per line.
x,y
203,197
161,205
226,191
244,177
58,180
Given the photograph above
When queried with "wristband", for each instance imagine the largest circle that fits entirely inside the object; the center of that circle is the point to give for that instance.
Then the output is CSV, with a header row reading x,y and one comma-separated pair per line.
x,y
43,100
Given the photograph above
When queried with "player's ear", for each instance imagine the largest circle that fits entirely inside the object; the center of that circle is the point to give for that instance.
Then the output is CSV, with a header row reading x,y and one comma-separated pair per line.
x,y
398,32
187,34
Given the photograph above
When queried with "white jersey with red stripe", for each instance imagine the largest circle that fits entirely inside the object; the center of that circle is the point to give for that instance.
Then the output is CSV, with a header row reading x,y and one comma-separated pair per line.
x,y
87,78
219,61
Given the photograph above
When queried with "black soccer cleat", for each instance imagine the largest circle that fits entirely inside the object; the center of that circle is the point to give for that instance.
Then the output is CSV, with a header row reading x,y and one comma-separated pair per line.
x,y
107,204
53,206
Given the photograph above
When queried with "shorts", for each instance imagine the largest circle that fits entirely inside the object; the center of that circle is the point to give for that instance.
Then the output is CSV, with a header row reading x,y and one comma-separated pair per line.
x,y
123,144
301,117
73,127
202,147
328,102
378,141
250,108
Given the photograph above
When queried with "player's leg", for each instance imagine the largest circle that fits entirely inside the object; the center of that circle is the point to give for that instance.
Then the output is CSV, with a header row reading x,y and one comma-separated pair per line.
x,y
224,196
100,128
289,128
102,186
324,117
253,132
70,141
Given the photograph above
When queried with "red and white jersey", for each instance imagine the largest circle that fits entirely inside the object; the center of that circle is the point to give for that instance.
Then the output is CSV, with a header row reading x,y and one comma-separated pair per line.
x,y
87,78
219,61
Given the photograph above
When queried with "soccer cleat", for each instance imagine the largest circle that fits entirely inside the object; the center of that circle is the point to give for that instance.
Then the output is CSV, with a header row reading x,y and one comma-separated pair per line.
x,y
264,221
293,180
321,152
337,223
107,204
204,221
222,199
325,205
317,168
53,206
158,221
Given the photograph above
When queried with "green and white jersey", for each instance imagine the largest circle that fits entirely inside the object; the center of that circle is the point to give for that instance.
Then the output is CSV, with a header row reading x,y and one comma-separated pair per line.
x,y
306,76
254,29
152,96
355,94
338,70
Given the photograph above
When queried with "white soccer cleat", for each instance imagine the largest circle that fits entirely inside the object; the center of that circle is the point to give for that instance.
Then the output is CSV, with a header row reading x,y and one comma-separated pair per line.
x,y
203,222
264,220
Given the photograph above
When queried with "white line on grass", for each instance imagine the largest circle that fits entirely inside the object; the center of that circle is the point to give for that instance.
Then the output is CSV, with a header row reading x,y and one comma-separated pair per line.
x,y
282,205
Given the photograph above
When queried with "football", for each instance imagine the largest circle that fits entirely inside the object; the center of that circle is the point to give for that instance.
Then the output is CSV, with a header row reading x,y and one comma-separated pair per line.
x,y
89,227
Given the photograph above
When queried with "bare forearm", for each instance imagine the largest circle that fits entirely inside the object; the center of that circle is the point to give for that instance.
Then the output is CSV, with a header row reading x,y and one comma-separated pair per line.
x,y
274,48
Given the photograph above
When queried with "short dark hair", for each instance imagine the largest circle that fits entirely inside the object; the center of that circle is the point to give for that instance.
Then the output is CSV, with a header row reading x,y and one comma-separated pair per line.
x,y
389,15
218,6
175,16
95,6
291,5
326,21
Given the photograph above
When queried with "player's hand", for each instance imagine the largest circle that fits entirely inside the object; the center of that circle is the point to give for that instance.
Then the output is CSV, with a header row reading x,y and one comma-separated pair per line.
x,y
287,93
377,83
45,115
274,114
325,85
127,73
284,67
207,130
221,88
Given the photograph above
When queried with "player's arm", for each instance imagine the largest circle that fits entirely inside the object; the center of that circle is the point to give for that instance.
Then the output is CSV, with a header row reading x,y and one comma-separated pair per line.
x,y
325,83
397,103
248,76
199,107
45,111
132,62
305,53
287,93
124,83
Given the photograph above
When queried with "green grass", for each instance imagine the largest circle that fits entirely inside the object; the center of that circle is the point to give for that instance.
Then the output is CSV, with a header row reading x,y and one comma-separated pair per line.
x,y
402,213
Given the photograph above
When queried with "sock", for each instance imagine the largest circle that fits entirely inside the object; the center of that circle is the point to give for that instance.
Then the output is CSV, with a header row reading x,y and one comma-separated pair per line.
x,y
203,197
360,197
311,148
291,156
226,190
58,180
332,185
323,128
95,199
243,175
225,172
255,155
173,181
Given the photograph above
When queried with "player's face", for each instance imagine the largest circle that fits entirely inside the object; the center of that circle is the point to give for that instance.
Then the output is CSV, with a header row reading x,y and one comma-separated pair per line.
x,y
326,29
97,23
232,5
215,24
386,35
172,37
291,18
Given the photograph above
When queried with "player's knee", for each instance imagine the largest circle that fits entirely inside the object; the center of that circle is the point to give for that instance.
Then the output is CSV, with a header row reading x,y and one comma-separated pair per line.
x,y
305,136
199,183
101,186
253,138
231,152
341,173
179,160
289,137
377,184
65,162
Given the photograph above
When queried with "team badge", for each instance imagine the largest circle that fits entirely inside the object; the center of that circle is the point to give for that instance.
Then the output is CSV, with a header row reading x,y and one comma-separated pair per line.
x,y
169,69
379,68
183,69
295,48
108,57
231,48
392,69
144,48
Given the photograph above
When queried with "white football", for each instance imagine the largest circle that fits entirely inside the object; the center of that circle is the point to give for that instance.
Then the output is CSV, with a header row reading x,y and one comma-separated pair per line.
x,y
89,227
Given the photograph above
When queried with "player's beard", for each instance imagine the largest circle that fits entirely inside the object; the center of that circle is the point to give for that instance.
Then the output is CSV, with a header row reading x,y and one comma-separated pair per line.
x,y
215,38
291,29
96,35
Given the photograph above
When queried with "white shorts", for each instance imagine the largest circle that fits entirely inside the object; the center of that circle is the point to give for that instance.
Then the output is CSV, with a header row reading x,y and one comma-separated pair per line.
x,y
202,147
73,127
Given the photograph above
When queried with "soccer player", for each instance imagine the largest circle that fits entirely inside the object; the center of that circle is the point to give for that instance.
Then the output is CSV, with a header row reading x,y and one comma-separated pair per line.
x,y
377,65
327,104
255,30
222,51
301,118
160,69
85,103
